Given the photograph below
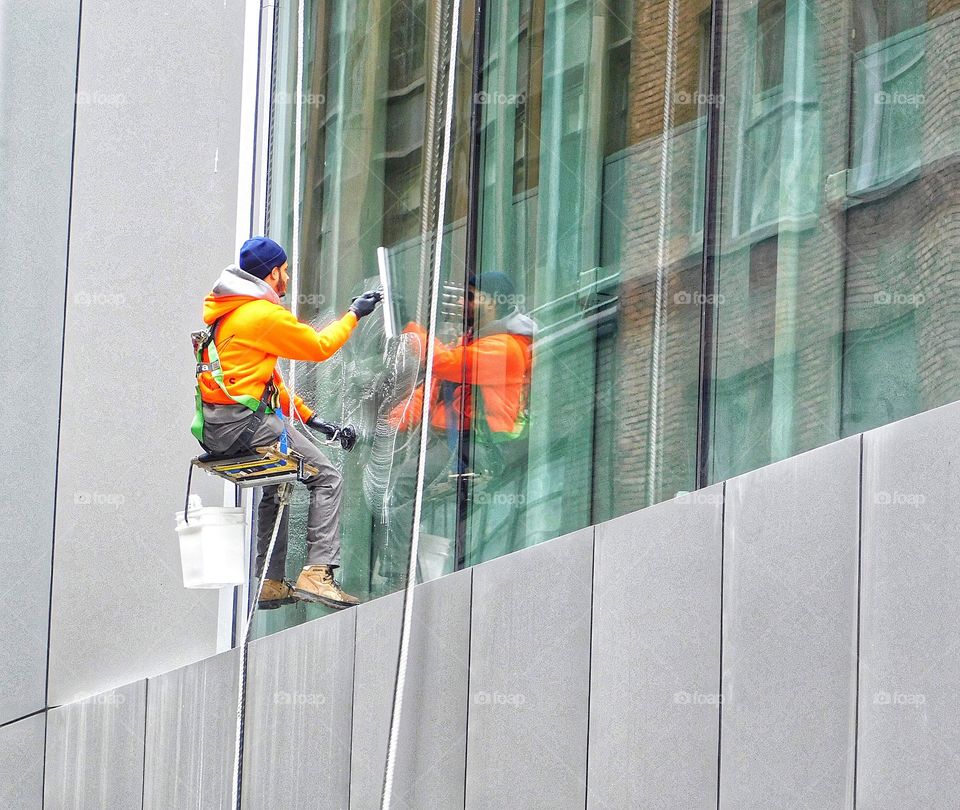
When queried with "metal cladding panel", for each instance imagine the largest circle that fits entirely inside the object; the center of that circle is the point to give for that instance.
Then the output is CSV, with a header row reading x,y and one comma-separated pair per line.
x,y
296,745
655,671
908,751
431,752
530,677
791,548
191,734
95,751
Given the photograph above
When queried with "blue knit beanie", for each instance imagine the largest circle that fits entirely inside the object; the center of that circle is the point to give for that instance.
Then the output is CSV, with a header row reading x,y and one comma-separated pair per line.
x,y
260,255
497,286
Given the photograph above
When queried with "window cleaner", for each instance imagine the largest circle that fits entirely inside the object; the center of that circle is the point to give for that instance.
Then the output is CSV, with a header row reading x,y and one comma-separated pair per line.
x,y
241,402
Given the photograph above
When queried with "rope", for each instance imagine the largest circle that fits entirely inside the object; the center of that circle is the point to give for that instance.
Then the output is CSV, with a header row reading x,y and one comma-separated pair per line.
x,y
405,625
653,463
297,197
283,494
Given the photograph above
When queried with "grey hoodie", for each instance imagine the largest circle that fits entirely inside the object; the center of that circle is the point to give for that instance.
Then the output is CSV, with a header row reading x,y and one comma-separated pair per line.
x,y
234,281
513,323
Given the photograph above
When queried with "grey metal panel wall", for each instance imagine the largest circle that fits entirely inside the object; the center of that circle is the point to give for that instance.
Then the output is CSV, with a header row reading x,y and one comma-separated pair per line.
x,y
655,670
529,677
154,220
296,750
190,735
95,751
38,66
789,632
21,763
908,736
431,756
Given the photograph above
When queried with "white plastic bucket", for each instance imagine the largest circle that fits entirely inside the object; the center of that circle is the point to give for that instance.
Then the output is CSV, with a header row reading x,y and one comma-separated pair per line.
x,y
435,556
211,546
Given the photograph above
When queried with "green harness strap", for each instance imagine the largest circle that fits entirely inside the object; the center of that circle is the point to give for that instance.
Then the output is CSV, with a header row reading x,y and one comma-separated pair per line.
x,y
483,430
213,367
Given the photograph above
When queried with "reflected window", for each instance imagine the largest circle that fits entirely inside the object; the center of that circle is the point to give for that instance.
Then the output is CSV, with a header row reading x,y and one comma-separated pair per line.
x,y
888,98
771,33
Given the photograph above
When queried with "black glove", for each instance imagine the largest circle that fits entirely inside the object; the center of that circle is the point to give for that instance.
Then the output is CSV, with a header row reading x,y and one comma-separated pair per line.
x,y
364,304
327,429
347,436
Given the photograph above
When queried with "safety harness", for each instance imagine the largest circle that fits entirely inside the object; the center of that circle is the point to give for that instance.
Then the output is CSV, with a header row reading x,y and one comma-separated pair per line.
x,y
204,344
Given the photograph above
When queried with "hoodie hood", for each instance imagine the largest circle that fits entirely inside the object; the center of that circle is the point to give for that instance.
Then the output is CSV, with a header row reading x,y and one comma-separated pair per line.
x,y
513,323
234,288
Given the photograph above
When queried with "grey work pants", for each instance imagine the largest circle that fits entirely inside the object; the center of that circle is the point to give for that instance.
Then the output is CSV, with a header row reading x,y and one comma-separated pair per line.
x,y
223,425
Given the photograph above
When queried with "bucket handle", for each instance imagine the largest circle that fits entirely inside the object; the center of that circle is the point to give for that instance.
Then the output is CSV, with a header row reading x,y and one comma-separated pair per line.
x,y
186,500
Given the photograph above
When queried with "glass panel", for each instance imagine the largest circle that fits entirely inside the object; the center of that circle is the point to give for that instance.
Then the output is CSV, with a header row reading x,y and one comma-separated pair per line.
x,y
902,319
594,413
567,382
372,136
833,204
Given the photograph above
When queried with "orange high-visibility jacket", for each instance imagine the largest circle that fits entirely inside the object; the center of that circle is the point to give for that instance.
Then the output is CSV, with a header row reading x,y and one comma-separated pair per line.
x,y
254,330
497,363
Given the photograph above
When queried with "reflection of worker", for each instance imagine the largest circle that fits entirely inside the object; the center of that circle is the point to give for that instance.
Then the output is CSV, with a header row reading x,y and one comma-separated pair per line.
x,y
241,392
492,362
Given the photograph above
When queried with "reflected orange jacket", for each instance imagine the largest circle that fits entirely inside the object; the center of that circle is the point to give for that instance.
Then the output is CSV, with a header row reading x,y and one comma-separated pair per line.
x,y
497,362
254,330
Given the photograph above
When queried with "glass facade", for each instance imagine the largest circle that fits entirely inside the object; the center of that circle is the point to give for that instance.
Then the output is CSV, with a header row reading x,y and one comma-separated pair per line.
x,y
836,277
681,240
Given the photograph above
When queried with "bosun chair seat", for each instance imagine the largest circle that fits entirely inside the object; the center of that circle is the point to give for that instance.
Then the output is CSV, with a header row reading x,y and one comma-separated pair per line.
x,y
266,467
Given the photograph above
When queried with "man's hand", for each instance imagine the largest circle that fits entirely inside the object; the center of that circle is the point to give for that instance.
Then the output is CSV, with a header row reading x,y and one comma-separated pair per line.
x,y
365,304
347,436
326,428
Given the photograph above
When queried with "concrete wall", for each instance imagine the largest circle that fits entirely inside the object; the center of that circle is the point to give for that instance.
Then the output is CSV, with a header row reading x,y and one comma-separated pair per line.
x,y
21,762
786,639
119,152
154,220
38,63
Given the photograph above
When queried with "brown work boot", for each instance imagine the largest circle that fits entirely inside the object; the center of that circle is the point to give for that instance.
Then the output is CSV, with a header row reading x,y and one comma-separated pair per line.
x,y
275,592
316,584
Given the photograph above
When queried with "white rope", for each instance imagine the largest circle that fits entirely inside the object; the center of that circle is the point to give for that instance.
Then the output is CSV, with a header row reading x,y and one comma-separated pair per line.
x,y
297,200
405,626
282,495
653,464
